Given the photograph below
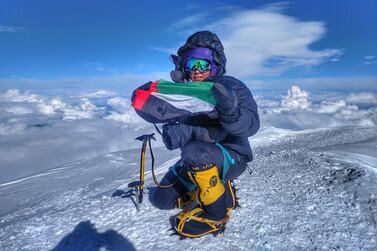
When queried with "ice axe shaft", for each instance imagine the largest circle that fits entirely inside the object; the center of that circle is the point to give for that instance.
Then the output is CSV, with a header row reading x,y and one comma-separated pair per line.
x,y
145,139
139,185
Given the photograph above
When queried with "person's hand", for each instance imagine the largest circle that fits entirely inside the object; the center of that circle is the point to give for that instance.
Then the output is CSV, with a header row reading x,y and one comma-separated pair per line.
x,y
226,99
176,135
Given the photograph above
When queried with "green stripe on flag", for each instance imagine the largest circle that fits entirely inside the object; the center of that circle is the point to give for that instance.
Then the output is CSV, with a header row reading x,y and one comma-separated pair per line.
x,y
199,90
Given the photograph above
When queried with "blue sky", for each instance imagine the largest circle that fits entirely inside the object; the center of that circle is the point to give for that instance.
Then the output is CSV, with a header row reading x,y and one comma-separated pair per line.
x,y
66,45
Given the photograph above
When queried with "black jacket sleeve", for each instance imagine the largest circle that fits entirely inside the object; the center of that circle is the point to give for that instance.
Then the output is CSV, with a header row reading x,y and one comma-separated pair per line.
x,y
243,118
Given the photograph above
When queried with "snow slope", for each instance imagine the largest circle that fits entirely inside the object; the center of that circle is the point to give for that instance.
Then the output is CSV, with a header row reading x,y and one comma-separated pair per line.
x,y
310,190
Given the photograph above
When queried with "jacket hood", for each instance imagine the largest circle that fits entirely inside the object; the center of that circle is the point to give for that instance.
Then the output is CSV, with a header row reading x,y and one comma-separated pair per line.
x,y
201,39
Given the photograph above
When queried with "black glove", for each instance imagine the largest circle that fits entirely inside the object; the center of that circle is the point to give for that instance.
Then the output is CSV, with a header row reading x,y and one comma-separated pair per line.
x,y
226,99
176,135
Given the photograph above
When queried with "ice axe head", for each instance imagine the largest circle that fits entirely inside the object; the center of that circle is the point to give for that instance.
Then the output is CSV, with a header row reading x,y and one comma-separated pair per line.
x,y
146,137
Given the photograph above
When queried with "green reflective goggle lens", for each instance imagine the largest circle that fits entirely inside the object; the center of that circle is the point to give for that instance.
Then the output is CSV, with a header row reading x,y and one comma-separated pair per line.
x,y
199,64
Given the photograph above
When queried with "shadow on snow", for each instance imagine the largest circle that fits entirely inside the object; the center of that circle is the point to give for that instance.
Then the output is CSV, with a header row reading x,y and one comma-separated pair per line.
x,y
85,237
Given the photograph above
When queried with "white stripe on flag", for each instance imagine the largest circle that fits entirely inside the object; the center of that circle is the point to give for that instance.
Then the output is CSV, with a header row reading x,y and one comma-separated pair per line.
x,y
184,102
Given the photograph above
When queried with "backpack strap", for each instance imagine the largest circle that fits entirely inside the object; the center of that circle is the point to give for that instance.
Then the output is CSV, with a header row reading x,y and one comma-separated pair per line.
x,y
227,159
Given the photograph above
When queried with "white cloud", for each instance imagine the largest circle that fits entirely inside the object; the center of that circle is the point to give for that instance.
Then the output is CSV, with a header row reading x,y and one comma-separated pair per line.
x,y
364,83
39,132
125,82
335,60
188,21
99,94
54,106
11,128
85,110
296,99
362,98
259,42
118,103
370,60
127,119
19,110
46,109
79,107
6,28
124,113
124,118
97,66
172,50
297,111
265,41
30,149
266,103
14,95
333,107
274,7
51,107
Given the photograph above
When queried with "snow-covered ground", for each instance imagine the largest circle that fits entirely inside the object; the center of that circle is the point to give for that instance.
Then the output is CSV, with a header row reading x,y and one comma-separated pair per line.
x,y
313,185
301,195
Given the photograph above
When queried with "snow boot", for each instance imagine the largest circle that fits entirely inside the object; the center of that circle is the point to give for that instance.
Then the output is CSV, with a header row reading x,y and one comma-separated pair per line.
x,y
188,200
211,215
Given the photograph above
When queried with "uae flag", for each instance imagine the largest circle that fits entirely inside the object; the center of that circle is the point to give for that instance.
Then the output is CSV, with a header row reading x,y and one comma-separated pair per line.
x,y
162,101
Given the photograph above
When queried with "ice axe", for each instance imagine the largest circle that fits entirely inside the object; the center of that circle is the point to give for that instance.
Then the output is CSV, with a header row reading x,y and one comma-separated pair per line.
x,y
138,186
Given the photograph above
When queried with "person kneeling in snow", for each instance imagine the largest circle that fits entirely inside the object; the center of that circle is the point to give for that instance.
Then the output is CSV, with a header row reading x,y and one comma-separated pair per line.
x,y
214,151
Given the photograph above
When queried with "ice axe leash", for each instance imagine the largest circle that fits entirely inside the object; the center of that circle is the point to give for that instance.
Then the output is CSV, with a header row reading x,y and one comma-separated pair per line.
x,y
138,186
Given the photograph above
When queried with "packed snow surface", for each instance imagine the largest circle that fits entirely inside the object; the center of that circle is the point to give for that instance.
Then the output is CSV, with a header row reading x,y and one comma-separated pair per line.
x,y
310,190
65,162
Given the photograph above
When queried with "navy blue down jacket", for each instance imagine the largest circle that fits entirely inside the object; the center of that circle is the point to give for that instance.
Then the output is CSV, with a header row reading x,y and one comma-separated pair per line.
x,y
237,111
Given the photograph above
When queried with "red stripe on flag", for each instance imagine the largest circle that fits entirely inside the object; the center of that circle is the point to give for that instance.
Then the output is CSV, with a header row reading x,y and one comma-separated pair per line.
x,y
153,86
140,98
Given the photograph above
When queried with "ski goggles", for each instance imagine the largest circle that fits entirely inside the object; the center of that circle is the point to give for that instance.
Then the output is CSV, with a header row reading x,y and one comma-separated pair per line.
x,y
198,64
